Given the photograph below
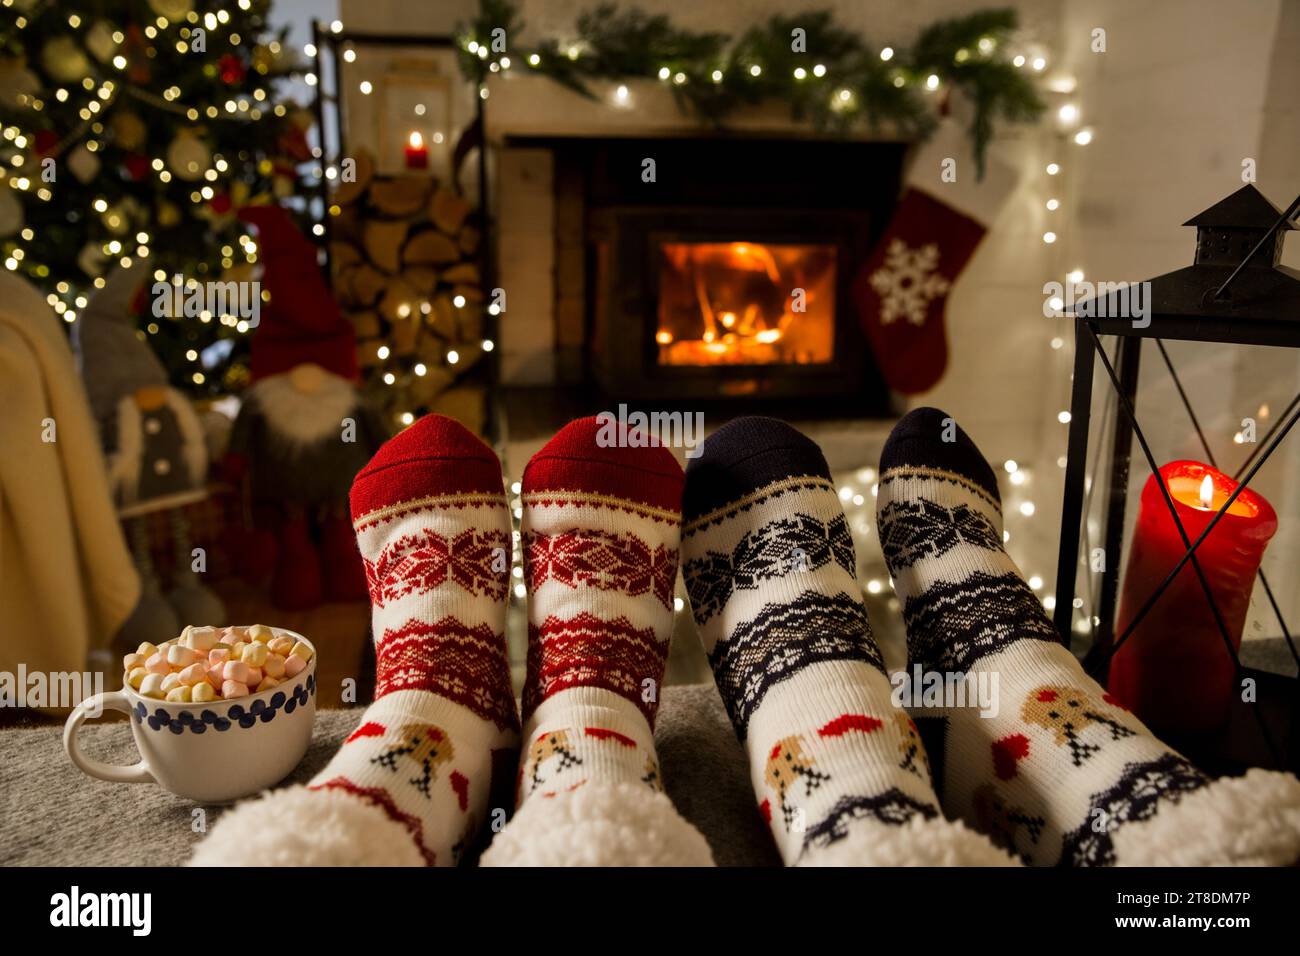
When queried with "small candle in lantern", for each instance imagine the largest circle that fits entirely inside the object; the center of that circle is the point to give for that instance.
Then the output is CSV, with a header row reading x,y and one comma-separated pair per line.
x,y
1174,671
417,154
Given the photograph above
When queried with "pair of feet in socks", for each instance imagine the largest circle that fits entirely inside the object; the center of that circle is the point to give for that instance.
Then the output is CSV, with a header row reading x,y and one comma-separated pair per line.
x,y
1060,774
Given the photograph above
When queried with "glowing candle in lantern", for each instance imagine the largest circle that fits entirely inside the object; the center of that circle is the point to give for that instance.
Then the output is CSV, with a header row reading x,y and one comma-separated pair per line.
x,y
417,154
1174,671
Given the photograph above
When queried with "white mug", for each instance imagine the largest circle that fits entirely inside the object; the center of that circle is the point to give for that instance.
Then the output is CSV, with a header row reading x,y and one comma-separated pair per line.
x,y
211,752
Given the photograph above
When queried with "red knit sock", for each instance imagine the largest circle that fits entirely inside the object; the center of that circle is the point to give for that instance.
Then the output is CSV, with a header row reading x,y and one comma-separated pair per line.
x,y
432,526
600,538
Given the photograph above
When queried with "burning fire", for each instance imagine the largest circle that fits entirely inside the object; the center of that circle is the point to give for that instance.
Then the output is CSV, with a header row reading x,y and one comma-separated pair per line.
x,y
746,303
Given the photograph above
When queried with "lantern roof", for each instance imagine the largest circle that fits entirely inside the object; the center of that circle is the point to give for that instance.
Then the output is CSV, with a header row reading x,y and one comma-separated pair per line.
x,y
1260,307
1247,208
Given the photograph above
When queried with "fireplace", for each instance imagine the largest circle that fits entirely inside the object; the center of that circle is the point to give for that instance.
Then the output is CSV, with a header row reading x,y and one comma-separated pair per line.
x,y
726,278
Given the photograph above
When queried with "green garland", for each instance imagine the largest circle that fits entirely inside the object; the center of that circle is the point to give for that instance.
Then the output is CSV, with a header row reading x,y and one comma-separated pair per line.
x,y
838,83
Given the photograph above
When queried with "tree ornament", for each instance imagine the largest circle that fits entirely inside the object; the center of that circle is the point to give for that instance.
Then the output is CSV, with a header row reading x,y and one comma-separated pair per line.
x,y
188,156
168,214
16,81
129,131
137,167
44,143
83,163
100,41
231,69
174,10
64,61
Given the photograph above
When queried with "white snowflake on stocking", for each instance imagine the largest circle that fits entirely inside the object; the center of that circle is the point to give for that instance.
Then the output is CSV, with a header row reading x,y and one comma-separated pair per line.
x,y
908,281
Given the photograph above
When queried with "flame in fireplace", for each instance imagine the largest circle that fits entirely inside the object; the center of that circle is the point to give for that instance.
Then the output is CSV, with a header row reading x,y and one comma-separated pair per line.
x,y
746,303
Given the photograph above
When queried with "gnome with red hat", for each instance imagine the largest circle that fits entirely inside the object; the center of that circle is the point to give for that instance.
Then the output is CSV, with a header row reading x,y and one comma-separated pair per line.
x,y
303,431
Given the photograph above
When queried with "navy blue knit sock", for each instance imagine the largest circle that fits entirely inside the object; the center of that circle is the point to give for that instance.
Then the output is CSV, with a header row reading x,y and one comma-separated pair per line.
x,y
839,772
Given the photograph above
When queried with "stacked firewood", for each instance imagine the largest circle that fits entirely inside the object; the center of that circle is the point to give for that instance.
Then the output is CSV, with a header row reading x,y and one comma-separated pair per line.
x,y
405,253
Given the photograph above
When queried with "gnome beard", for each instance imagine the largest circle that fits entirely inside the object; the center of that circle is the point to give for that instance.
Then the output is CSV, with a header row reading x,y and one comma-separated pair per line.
x,y
301,436
303,431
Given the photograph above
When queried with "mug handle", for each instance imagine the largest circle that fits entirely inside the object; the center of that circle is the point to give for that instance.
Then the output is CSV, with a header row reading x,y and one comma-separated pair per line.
x,y
115,700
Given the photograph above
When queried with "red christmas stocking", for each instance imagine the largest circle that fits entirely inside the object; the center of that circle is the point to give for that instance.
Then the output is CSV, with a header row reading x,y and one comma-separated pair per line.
x,y
901,290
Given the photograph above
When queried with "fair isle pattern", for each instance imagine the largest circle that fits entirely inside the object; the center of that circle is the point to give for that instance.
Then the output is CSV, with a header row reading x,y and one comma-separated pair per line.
x,y
461,663
421,561
954,625
782,640
799,543
404,509
916,529
1060,753
765,495
595,558
587,651
585,499
892,808
1135,797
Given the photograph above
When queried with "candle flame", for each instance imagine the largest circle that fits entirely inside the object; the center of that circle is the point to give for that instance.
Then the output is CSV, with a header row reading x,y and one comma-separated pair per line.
x,y
416,140
1207,491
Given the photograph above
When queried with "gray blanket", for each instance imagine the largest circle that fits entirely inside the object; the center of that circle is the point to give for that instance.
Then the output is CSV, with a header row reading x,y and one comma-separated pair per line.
x,y
53,815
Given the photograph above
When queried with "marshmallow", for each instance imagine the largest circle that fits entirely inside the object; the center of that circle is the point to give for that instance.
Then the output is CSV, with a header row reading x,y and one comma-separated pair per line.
x,y
180,656
274,666
254,655
151,686
201,639
194,674
281,645
236,671
209,663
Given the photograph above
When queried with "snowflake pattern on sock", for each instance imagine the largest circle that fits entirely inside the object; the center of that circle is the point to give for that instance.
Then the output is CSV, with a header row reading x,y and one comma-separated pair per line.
x,y
800,543
912,530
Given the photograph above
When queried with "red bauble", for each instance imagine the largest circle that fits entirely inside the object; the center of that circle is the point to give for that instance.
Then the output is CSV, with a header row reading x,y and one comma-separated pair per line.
x,y
46,140
231,69
220,204
137,166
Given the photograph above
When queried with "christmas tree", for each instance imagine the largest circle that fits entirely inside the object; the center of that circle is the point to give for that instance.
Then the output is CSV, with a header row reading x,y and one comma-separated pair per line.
x,y
137,128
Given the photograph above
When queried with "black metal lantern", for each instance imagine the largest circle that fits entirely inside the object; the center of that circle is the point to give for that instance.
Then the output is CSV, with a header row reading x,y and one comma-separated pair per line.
x,y
1235,292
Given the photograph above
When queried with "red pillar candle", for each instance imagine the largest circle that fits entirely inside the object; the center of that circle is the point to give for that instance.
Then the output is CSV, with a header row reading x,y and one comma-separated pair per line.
x,y
1174,671
417,154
